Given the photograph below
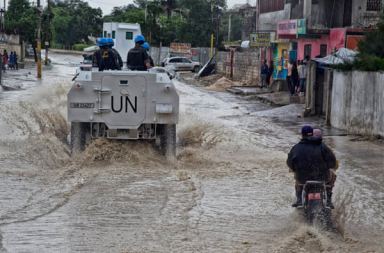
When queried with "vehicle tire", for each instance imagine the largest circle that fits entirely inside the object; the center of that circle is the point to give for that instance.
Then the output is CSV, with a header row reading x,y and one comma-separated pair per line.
x,y
80,136
315,213
196,69
168,141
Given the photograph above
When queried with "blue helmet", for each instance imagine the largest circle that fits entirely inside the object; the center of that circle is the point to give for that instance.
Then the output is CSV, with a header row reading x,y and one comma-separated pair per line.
x,y
146,46
139,38
110,42
101,42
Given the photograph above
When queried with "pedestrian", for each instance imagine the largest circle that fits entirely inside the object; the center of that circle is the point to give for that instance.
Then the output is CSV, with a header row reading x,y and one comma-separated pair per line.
x,y
5,59
302,69
295,78
291,86
264,74
15,60
311,159
270,73
137,57
10,62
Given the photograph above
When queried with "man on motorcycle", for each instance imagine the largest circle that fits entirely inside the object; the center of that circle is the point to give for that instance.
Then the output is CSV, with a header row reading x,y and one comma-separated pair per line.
x,y
311,159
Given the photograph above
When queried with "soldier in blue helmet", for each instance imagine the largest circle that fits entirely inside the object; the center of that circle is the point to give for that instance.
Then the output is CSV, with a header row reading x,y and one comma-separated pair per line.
x,y
137,58
105,58
146,46
111,43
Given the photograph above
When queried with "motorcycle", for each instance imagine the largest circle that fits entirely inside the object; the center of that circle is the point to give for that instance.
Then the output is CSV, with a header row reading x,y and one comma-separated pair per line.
x,y
314,198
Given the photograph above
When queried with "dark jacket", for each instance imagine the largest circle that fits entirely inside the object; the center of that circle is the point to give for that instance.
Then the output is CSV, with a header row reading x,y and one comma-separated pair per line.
x,y
264,69
118,58
105,59
311,159
136,59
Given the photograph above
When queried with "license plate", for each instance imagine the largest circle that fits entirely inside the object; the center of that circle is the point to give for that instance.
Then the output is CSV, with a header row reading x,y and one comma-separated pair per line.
x,y
314,196
82,105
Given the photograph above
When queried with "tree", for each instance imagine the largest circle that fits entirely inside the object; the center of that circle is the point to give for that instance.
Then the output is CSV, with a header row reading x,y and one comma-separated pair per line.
x,y
202,20
373,44
371,50
74,21
21,18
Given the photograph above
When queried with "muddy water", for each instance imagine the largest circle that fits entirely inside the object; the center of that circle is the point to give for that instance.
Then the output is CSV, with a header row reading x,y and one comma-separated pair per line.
x,y
228,191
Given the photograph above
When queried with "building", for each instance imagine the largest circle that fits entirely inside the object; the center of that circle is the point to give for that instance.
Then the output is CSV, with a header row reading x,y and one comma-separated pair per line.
x,y
122,34
313,28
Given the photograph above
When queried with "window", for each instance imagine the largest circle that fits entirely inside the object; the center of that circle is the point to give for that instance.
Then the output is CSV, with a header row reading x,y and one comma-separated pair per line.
x,y
129,35
323,50
175,60
373,5
271,5
113,34
308,50
105,34
185,60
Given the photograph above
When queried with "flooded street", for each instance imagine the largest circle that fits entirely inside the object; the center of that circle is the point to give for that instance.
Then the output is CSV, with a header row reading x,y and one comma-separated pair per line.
x,y
228,191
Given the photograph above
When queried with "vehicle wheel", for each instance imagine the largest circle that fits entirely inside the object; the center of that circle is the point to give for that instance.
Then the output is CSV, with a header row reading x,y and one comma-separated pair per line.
x,y
80,136
168,141
196,69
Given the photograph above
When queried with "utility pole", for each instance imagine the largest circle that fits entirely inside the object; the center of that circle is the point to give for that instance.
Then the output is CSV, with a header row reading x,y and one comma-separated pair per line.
x,y
47,33
229,27
38,41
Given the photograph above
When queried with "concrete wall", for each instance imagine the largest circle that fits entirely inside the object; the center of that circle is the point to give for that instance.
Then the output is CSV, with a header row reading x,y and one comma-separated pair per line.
x,y
361,17
12,43
326,14
358,102
268,21
246,66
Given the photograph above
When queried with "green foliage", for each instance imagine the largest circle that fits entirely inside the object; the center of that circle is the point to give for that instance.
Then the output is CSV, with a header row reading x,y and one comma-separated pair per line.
x,y
371,50
236,27
73,21
373,44
21,18
80,46
169,21
369,63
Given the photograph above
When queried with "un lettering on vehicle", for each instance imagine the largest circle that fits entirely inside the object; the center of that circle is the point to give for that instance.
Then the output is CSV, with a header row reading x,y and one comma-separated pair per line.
x,y
124,104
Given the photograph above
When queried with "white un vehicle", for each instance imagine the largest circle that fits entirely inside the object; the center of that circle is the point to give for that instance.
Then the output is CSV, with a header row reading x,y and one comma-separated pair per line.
x,y
124,105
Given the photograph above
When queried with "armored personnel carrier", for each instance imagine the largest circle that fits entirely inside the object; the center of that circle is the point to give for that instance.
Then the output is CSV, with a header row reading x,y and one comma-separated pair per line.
x,y
124,105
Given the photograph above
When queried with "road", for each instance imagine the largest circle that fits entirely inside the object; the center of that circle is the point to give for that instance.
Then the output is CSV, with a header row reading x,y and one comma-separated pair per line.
x,y
228,191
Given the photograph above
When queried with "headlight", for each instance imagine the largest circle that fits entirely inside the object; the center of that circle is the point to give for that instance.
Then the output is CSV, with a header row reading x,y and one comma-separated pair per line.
x,y
164,108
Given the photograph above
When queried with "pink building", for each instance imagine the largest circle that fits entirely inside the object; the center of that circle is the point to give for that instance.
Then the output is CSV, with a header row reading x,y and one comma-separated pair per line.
x,y
313,47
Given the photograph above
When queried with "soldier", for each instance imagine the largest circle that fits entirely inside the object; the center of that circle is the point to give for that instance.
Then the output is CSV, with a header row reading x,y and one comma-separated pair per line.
x,y
146,46
111,43
137,57
105,58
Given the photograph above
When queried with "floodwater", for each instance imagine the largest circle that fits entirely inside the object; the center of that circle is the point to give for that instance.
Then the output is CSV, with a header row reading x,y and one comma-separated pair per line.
x,y
228,191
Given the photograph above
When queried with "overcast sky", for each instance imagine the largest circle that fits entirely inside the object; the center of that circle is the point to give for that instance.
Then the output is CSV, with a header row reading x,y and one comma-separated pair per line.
x,y
107,5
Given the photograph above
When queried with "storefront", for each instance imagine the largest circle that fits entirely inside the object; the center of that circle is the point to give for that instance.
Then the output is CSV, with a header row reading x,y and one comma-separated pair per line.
x,y
262,40
285,48
280,54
